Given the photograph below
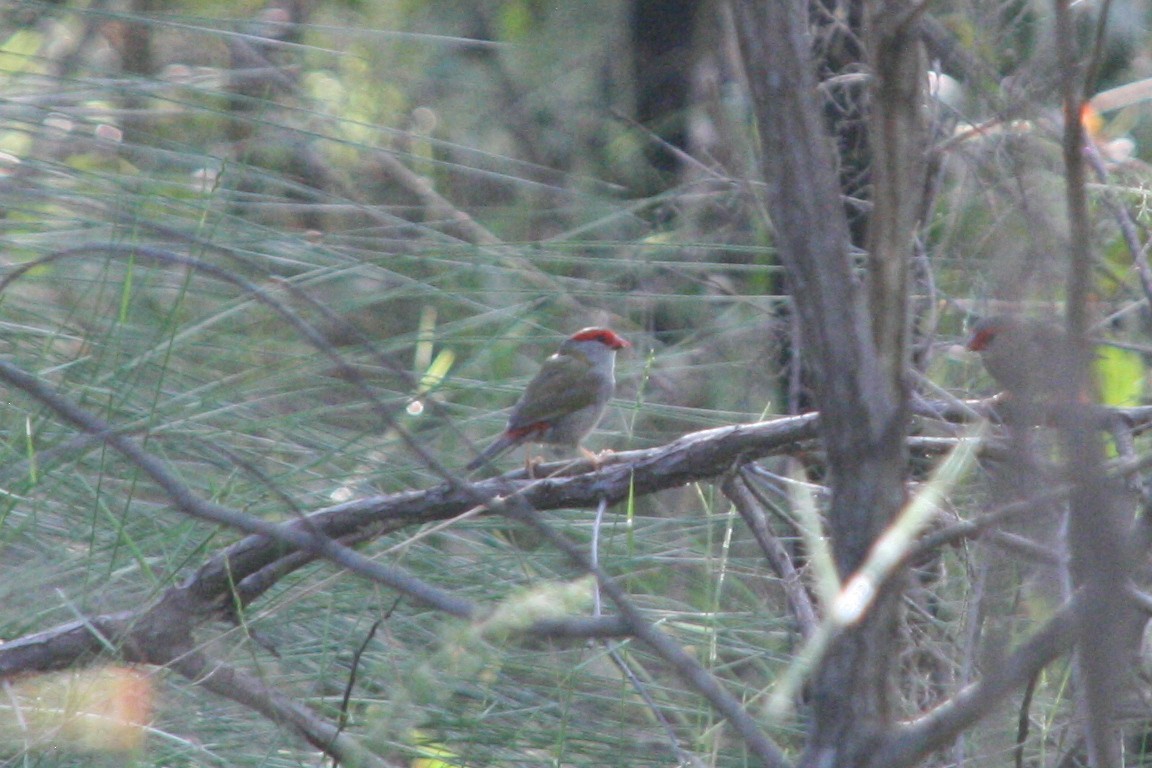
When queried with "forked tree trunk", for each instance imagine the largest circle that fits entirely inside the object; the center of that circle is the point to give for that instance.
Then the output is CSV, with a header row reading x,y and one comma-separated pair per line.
x,y
854,340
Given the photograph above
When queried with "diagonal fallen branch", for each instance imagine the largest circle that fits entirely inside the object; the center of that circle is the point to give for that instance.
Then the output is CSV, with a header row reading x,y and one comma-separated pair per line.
x,y
162,632
245,570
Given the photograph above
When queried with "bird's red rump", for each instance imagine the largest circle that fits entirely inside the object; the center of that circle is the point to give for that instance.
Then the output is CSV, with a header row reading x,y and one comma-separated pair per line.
x,y
530,429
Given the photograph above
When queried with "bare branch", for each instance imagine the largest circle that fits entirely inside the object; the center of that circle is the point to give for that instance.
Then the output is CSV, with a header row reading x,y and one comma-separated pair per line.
x,y
689,670
253,564
743,497
247,689
899,139
909,743
1099,552
300,536
856,352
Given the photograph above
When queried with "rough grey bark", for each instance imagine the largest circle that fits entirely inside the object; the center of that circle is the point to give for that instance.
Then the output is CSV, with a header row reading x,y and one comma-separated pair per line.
x,y
1100,553
856,351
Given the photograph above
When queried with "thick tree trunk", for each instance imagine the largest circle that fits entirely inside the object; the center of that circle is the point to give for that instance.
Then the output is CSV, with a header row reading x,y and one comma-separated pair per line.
x,y
857,352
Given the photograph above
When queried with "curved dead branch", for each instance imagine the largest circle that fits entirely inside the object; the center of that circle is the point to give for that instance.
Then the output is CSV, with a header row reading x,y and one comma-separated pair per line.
x,y
162,633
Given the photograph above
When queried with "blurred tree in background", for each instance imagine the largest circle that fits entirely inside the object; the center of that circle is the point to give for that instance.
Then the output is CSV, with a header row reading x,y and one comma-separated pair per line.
x,y
272,271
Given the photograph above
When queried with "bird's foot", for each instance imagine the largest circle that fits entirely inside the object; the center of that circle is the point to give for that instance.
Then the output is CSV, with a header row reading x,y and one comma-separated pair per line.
x,y
531,463
595,458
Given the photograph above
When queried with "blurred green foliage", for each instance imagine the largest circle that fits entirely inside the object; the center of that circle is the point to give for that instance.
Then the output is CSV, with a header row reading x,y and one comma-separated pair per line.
x,y
443,191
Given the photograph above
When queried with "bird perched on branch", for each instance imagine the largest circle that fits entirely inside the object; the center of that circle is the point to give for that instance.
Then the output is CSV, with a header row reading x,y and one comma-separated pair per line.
x,y
567,397
1030,358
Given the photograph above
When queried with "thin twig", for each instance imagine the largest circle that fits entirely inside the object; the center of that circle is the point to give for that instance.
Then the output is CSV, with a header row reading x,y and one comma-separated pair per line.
x,y
742,493
907,744
189,503
1023,720
1124,220
668,649
248,690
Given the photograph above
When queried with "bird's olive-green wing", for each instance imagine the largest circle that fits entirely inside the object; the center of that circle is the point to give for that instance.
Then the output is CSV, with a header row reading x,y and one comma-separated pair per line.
x,y
563,385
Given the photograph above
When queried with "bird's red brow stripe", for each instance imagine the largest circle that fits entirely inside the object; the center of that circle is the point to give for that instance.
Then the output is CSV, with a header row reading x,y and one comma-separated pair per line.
x,y
605,337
